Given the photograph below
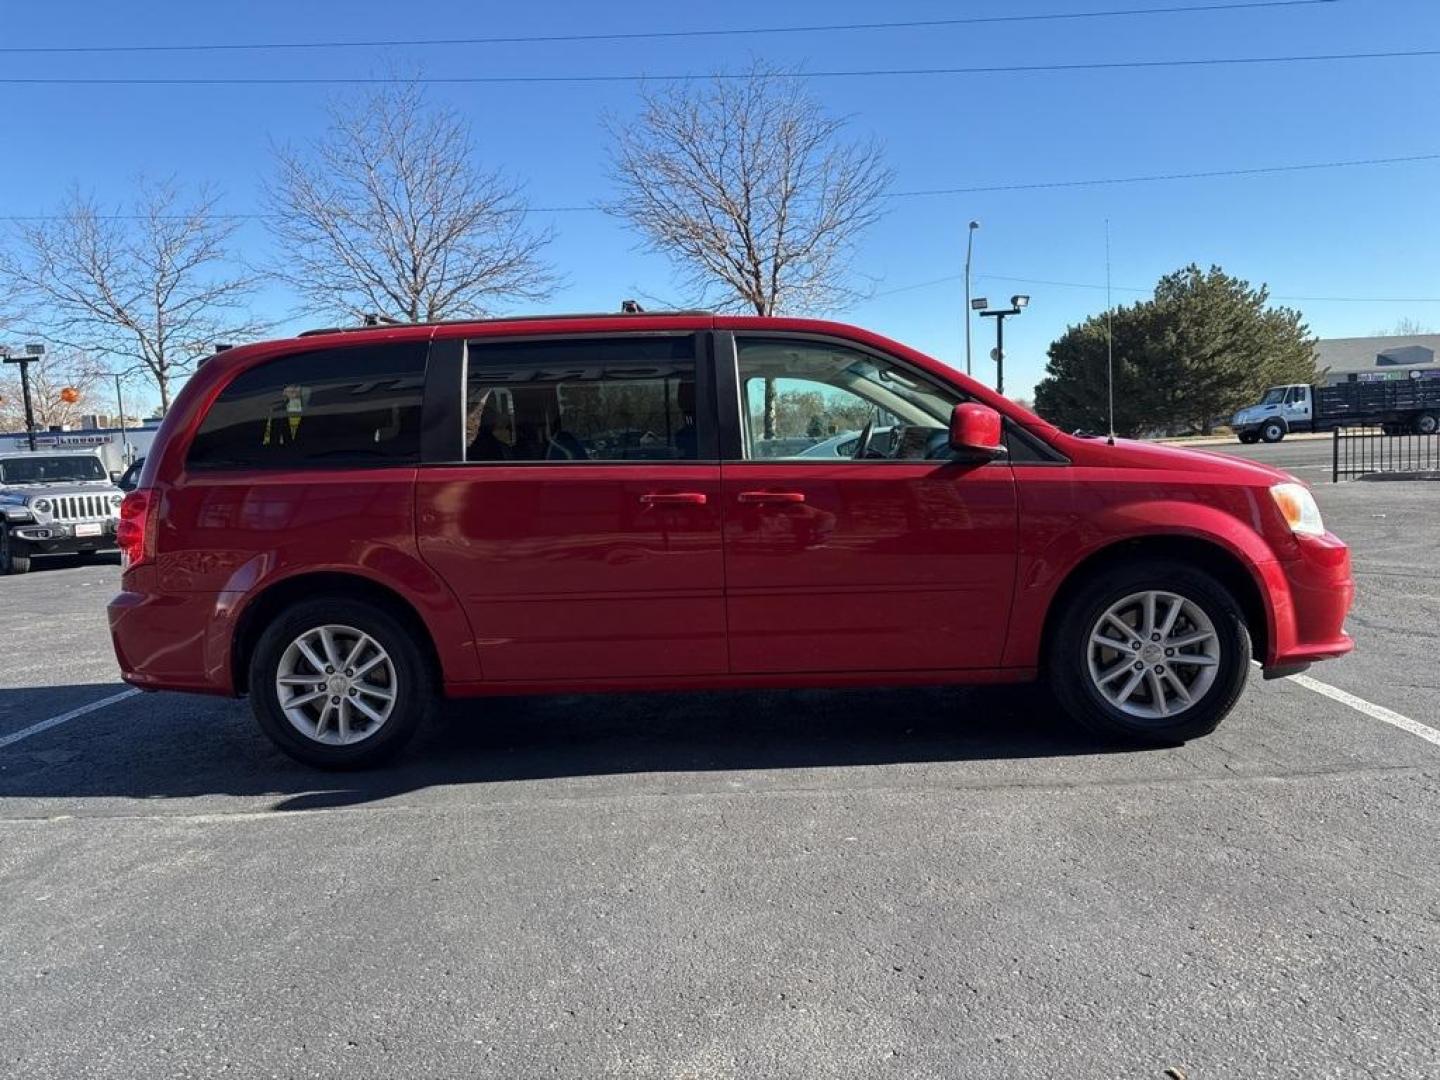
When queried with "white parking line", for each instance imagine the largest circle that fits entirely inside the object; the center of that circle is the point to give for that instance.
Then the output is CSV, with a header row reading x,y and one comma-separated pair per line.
x,y
1375,712
56,721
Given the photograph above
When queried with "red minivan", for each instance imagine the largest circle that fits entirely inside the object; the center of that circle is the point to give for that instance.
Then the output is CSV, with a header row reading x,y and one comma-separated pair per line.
x,y
353,523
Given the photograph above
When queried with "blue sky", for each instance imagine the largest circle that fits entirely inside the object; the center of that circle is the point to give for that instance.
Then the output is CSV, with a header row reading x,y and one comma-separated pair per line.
x,y
1356,232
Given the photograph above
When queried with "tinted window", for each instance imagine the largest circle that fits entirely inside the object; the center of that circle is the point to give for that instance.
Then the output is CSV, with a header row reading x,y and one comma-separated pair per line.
x,y
597,399
331,407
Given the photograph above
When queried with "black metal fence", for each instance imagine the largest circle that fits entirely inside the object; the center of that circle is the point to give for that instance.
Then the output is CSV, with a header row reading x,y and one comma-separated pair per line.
x,y
1363,451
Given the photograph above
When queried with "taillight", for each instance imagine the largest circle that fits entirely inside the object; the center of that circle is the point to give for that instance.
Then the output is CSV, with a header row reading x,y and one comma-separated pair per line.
x,y
132,533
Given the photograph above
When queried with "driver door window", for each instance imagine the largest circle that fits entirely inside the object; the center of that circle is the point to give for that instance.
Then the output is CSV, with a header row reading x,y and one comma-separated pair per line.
x,y
809,401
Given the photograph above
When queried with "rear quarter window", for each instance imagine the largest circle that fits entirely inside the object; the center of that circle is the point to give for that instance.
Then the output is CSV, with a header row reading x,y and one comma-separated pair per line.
x,y
324,408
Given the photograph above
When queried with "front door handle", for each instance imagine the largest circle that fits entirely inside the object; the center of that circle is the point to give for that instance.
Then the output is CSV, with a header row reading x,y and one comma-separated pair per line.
x,y
674,498
772,496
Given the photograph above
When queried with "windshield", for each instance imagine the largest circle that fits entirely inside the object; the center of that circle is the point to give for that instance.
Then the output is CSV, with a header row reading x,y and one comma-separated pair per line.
x,y
50,470
1274,396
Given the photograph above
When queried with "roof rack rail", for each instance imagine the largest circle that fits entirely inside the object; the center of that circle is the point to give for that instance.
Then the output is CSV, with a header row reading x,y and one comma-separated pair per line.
x,y
628,307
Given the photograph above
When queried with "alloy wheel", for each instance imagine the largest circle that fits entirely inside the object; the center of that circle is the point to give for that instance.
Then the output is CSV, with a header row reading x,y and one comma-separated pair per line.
x,y
1153,655
336,685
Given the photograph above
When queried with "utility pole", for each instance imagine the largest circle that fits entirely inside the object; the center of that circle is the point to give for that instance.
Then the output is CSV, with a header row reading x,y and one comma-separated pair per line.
x,y
969,247
25,359
1017,305
124,436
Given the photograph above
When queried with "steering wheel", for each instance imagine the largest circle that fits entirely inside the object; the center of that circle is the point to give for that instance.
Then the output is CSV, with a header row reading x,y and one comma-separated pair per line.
x,y
862,445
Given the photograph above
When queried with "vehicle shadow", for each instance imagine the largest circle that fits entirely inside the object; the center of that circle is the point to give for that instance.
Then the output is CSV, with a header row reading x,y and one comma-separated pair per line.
x,y
174,746
39,564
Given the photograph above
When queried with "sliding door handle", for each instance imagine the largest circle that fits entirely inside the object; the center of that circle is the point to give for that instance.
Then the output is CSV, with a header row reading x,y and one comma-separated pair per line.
x,y
674,498
771,497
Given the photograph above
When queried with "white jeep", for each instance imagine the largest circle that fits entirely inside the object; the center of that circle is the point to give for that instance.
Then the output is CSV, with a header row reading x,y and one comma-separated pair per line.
x,y
54,502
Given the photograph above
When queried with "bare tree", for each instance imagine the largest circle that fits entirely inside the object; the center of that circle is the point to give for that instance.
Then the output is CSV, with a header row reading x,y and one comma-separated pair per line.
x,y
750,189
1405,327
388,214
153,289
49,377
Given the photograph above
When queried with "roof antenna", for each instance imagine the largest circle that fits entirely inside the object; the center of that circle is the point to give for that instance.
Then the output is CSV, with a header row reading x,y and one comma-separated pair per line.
x,y
1109,337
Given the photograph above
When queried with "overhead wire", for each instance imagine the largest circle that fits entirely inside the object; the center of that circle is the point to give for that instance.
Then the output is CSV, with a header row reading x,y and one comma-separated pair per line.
x,y
684,77
652,35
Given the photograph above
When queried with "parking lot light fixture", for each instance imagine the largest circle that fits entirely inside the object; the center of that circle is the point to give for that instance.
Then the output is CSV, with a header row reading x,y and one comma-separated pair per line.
x,y
1018,303
32,353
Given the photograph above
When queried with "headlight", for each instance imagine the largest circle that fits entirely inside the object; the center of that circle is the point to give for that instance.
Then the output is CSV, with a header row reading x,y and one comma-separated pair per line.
x,y
41,506
1297,507
116,500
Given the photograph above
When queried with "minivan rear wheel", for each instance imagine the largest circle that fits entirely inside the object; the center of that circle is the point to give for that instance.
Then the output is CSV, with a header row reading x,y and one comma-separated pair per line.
x,y
1157,652
339,683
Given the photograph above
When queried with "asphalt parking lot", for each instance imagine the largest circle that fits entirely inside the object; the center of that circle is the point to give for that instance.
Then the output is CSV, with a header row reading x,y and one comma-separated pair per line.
x,y
916,883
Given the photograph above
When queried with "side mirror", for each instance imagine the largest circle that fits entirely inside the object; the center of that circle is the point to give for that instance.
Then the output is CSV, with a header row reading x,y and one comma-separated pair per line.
x,y
975,429
114,475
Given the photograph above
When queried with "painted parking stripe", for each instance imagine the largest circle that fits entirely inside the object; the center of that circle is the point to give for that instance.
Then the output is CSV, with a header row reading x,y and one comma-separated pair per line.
x,y
65,717
1375,712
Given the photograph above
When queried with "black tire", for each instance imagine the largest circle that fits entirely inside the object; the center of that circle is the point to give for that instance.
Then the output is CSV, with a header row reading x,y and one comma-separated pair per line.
x,y
1427,423
414,686
1272,431
1067,661
1249,437
14,555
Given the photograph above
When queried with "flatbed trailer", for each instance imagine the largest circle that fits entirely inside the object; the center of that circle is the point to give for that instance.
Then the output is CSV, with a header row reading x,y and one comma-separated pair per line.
x,y
1396,405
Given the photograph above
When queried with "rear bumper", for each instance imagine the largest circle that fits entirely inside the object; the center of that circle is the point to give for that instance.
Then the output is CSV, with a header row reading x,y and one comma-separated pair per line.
x,y
173,642
1312,594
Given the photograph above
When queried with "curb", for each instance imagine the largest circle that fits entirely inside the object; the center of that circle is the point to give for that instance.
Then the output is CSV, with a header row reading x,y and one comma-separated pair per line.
x,y
1226,440
1431,475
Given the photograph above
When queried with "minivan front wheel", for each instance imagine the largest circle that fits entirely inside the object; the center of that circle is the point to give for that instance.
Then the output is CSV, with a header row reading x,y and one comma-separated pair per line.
x,y
1157,652
338,683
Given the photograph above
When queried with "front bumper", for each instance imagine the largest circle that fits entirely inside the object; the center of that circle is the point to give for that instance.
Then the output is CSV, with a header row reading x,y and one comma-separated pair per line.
x,y
65,538
1313,592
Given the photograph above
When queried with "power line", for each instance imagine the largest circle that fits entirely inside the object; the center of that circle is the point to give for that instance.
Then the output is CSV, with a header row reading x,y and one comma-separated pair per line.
x,y
1134,289
1205,175
682,77
642,35
1273,296
1157,177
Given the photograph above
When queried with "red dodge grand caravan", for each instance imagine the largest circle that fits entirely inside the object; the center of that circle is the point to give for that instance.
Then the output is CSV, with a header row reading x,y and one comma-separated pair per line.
x,y
351,523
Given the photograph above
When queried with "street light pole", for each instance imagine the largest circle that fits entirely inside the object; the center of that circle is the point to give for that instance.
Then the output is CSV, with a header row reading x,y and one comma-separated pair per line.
x,y
28,357
969,247
1017,305
1000,354
24,363
124,437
